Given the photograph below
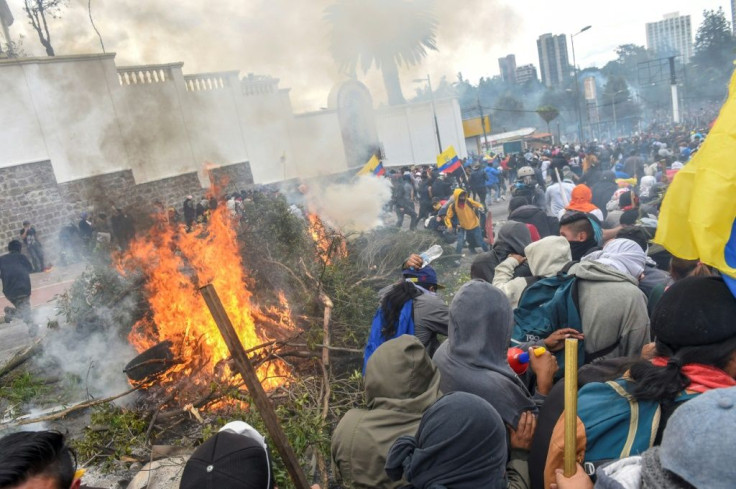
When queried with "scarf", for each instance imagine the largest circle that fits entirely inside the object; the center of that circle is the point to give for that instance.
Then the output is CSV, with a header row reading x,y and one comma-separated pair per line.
x,y
460,444
581,199
580,248
654,476
623,255
702,377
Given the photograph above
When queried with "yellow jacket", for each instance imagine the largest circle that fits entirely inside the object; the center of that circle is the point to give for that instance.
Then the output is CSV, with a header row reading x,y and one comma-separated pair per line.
x,y
465,215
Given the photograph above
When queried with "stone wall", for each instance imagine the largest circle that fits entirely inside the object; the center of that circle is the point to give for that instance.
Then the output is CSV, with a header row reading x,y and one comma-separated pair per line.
x,y
31,192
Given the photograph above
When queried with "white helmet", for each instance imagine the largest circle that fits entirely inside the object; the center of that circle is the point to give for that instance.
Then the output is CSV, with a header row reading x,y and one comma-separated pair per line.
x,y
525,171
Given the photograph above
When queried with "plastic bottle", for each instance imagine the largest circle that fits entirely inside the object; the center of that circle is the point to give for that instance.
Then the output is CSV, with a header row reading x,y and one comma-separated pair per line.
x,y
519,359
434,252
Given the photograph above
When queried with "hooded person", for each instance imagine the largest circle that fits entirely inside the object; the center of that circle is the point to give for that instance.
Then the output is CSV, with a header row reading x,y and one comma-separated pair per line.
x,y
613,310
646,188
460,444
603,190
512,237
401,383
521,211
581,201
463,208
474,357
546,258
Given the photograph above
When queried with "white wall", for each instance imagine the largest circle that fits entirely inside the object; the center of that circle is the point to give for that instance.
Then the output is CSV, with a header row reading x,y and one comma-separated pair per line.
x,y
89,117
408,135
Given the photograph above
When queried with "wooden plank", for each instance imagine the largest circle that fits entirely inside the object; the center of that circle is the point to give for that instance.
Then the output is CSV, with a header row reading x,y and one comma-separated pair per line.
x,y
248,373
571,406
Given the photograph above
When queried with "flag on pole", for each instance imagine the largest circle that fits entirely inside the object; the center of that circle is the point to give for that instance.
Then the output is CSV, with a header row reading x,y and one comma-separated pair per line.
x,y
698,216
447,161
373,167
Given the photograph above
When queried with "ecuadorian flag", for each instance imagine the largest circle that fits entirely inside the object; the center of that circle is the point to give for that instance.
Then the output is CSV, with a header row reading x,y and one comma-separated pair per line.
x,y
447,161
698,217
373,167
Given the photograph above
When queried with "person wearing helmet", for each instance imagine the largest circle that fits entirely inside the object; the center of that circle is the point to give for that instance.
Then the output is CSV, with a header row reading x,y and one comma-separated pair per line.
x,y
526,186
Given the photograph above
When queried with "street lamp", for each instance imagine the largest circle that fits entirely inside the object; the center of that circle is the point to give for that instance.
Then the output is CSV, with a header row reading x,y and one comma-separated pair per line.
x,y
577,94
434,109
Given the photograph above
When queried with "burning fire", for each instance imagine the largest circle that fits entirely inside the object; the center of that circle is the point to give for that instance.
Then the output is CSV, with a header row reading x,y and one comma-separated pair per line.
x,y
330,245
176,263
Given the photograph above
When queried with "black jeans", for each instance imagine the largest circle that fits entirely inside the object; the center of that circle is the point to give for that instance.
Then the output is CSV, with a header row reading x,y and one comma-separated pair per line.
x,y
36,252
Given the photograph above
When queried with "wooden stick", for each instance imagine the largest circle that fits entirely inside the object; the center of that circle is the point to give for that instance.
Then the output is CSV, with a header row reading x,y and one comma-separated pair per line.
x,y
248,373
21,357
571,406
64,412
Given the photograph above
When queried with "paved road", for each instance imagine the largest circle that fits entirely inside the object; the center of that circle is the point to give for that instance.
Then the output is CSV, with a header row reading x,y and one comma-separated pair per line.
x,y
45,287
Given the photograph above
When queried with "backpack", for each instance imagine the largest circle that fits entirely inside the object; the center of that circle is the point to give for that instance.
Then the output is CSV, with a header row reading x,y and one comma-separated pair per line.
x,y
478,179
376,339
616,424
546,305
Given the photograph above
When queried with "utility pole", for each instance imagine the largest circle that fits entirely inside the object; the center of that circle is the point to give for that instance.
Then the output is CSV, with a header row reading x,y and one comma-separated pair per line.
x,y
577,91
482,124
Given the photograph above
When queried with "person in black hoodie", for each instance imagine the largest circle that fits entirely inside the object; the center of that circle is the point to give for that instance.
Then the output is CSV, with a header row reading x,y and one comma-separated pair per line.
x,y
521,211
15,272
603,190
513,237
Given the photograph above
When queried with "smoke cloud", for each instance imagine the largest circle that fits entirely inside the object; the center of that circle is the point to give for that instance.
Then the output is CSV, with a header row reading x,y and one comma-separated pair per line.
x,y
281,38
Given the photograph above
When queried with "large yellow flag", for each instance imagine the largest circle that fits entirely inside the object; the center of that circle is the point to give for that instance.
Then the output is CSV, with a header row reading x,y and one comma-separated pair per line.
x,y
698,216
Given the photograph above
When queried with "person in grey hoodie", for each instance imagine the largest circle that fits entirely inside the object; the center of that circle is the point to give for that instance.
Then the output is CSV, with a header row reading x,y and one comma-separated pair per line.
x,y
613,310
695,452
474,357
545,257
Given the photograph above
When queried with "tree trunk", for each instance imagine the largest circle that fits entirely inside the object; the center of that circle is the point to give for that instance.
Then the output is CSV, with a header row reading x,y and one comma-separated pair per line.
x,y
392,83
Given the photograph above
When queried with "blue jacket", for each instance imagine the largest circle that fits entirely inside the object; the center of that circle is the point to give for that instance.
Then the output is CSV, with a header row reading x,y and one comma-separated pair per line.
x,y
492,175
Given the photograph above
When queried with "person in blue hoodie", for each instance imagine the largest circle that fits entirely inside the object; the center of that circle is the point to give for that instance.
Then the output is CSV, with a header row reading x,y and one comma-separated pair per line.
x,y
493,181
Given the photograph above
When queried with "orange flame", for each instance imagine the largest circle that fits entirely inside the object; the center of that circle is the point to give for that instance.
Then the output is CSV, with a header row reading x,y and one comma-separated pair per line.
x,y
176,264
330,245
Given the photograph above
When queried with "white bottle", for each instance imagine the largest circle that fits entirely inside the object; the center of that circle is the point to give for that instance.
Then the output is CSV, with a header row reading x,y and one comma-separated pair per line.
x,y
434,252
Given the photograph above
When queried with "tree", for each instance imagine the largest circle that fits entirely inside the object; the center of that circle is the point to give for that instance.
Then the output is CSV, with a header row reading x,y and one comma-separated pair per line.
x,y
548,113
37,11
714,44
387,33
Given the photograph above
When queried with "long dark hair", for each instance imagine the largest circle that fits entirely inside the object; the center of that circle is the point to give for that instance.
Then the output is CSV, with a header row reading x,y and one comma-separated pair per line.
x,y
664,384
392,303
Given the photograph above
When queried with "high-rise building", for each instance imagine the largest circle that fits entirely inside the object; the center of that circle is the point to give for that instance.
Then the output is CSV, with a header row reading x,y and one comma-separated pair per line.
x,y
507,66
526,73
553,60
671,36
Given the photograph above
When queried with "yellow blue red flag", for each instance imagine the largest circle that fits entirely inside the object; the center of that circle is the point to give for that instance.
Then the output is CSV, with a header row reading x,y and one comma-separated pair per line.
x,y
373,167
698,216
447,161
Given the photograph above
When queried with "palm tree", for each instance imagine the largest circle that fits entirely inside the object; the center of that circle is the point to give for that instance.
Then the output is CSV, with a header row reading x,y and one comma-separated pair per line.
x,y
387,33
548,113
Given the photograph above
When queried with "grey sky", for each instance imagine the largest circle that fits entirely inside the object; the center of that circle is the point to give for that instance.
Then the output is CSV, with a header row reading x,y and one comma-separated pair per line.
x,y
288,38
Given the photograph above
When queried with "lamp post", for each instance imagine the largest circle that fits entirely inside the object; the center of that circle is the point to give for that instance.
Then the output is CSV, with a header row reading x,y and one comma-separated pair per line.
x,y
577,93
434,109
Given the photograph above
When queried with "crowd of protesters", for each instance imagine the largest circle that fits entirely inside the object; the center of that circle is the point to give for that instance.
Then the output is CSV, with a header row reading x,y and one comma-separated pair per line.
x,y
657,376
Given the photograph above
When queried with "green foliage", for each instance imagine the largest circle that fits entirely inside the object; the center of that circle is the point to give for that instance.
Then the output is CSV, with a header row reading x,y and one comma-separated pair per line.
x,y
113,432
23,388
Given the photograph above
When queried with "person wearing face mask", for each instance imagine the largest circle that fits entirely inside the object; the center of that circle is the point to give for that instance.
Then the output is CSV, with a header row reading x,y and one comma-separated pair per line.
x,y
583,232
464,208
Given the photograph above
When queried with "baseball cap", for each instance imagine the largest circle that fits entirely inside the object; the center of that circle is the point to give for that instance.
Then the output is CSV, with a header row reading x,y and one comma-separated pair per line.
x,y
236,457
425,275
